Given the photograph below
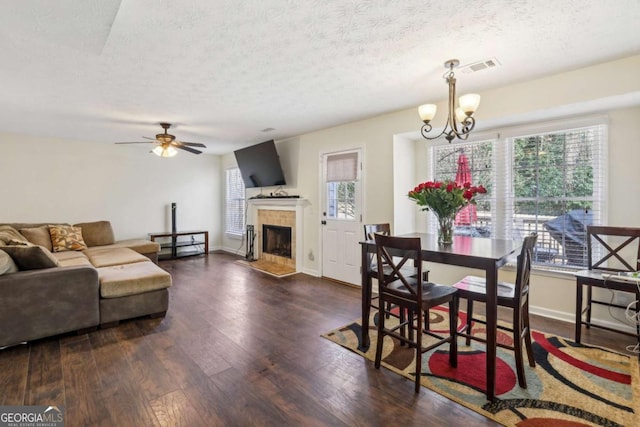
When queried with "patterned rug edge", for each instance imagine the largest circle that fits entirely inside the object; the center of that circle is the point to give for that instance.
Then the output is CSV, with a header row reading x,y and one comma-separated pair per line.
x,y
634,369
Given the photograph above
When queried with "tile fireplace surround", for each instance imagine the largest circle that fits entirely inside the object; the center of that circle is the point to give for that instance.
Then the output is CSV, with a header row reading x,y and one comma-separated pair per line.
x,y
280,212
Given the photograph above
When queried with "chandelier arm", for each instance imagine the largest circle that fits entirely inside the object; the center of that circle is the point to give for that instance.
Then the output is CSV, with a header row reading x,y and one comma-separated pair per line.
x,y
451,80
426,128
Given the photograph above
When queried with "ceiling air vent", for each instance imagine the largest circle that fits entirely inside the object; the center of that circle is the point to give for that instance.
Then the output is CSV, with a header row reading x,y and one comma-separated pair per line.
x,y
480,65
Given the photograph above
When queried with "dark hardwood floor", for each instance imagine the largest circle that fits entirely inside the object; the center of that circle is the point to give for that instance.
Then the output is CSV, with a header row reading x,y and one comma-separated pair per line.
x,y
237,348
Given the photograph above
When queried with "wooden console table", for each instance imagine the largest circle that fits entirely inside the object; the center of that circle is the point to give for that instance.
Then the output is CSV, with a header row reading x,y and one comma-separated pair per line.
x,y
170,241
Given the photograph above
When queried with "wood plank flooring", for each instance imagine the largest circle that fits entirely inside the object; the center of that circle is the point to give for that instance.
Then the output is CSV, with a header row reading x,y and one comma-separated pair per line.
x,y
237,348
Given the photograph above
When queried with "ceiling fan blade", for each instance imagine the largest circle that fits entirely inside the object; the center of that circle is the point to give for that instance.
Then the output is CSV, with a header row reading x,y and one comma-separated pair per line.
x,y
193,144
146,137
135,142
185,148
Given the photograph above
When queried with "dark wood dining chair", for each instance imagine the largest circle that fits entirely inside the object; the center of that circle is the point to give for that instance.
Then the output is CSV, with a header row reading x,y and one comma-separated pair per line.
x,y
385,228
413,295
512,295
610,250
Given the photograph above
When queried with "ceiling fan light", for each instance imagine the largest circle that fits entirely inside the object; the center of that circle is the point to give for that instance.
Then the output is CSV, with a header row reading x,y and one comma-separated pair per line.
x,y
164,151
171,151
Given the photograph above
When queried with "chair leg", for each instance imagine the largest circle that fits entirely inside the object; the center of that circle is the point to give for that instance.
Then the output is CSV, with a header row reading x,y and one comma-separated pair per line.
x,y
517,347
401,317
426,320
453,331
418,353
589,289
410,315
469,319
527,336
638,315
380,336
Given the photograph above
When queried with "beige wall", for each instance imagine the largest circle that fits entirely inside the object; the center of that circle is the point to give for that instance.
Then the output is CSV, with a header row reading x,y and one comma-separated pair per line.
x,y
74,181
610,88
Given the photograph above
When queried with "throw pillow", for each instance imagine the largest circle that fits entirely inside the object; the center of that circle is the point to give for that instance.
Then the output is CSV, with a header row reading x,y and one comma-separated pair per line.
x,y
31,257
7,265
66,238
97,233
9,234
38,236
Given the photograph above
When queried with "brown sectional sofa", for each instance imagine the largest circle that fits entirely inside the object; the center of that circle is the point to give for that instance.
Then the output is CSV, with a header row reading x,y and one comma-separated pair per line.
x,y
45,292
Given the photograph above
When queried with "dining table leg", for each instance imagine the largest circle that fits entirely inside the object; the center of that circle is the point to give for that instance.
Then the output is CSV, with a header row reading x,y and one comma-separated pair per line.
x,y
366,298
492,323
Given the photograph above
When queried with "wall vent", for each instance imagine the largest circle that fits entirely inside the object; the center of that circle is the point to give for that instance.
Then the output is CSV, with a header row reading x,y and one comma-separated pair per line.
x,y
480,65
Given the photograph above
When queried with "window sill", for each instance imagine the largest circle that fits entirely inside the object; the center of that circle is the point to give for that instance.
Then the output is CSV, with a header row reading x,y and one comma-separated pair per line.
x,y
560,273
234,236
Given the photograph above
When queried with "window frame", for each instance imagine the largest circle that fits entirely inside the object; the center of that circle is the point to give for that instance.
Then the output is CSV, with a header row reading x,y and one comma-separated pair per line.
x,y
503,173
231,196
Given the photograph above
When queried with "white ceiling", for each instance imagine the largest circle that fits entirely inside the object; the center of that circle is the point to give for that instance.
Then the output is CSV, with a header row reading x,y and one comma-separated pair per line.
x,y
223,70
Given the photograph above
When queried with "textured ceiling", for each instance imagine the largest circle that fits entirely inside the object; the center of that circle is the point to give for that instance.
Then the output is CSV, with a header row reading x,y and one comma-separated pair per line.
x,y
222,70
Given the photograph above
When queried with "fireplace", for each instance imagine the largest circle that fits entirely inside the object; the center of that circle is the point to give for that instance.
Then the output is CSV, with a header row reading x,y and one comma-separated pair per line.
x,y
282,214
276,240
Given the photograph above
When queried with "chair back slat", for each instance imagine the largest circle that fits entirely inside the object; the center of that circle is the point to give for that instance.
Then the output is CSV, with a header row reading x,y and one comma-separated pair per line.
x,y
523,273
370,230
612,248
395,252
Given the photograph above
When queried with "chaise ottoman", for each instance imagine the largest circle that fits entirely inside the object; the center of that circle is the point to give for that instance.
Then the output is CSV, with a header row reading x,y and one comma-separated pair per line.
x,y
132,290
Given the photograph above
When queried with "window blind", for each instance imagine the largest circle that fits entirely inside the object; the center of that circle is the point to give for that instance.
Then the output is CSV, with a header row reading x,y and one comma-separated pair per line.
x,y
234,203
342,167
548,178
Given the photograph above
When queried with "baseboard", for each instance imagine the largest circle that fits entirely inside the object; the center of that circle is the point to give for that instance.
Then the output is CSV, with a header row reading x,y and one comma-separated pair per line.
x,y
311,272
570,317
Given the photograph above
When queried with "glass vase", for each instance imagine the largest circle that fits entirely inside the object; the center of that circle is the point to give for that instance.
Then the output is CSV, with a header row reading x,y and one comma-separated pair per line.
x,y
445,229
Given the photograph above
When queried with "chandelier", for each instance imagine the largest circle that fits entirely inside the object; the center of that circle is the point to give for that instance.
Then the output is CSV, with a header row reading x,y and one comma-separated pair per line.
x,y
460,121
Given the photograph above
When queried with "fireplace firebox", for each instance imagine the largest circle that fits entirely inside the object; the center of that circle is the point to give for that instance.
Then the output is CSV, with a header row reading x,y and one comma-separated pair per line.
x,y
276,240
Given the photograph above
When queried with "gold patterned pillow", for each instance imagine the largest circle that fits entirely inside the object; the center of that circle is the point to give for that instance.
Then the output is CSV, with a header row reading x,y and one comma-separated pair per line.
x,y
66,238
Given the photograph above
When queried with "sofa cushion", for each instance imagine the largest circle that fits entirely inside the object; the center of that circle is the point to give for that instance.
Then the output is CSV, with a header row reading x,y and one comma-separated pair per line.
x,y
7,265
97,233
38,236
69,258
9,235
69,262
66,238
31,257
106,257
131,279
141,246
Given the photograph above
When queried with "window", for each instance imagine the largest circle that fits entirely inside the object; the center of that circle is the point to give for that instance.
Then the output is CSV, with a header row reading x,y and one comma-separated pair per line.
x,y
548,179
342,174
234,203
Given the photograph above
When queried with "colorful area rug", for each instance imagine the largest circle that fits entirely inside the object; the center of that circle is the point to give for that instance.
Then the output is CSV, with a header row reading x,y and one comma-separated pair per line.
x,y
571,385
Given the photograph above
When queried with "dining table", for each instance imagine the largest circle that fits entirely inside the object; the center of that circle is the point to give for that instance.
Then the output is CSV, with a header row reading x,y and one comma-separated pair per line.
x,y
487,254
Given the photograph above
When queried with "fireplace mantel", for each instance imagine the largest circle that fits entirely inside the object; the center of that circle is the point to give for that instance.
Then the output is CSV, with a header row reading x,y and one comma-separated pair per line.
x,y
296,205
273,201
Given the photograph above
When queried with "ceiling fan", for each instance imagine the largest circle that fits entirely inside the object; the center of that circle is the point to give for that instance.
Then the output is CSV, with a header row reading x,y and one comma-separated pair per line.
x,y
166,142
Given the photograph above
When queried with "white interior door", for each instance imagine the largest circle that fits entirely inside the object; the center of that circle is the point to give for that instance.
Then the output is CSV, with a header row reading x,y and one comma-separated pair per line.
x,y
341,216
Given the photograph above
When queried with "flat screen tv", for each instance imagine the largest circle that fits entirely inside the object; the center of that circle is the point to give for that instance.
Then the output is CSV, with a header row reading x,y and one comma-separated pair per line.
x,y
260,165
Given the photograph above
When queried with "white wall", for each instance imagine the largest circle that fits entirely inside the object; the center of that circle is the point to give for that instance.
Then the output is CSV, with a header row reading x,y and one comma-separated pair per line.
x,y
75,181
